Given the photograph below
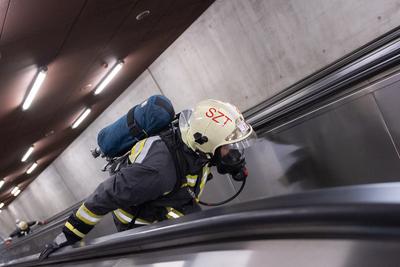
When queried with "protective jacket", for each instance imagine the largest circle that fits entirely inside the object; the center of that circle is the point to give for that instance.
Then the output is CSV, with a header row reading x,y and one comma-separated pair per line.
x,y
20,233
161,179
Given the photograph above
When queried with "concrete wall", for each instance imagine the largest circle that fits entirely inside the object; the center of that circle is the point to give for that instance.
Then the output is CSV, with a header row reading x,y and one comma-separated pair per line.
x,y
242,51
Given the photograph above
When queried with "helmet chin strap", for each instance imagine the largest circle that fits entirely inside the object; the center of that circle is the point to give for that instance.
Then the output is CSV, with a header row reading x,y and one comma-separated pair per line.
x,y
241,175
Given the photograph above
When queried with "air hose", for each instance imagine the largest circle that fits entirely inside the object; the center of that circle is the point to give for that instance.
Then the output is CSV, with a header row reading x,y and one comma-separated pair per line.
x,y
228,200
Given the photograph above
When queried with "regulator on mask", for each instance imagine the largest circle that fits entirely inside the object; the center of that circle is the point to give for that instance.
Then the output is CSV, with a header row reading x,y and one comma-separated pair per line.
x,y
229,159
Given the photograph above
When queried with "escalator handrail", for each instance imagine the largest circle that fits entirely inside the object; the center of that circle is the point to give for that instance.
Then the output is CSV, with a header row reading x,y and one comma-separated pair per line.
x,y
340,213
367,61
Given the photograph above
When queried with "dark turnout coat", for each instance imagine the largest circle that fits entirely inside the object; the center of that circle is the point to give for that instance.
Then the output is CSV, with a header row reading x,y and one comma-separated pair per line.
x,y
158,181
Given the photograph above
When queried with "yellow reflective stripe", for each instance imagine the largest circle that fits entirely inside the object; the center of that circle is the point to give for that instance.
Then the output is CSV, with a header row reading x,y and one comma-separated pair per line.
x,y
206,172
173,213
130,216
184,185
92,214
121,217
141,221
191,180
83,219
136,149
74,230
146,148
88,217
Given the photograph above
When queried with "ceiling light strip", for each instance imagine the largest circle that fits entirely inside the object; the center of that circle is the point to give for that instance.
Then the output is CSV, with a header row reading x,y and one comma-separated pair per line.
x,y
1,205
27,154
1,183
17,193
81,118
35,88
107,79
32,168
15,189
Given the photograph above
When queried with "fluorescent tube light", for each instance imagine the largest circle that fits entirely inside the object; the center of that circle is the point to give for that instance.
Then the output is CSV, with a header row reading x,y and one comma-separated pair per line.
x,y
81,118
17,193
35,88
107,79
15,189
27,154
1,205
32,168
1,183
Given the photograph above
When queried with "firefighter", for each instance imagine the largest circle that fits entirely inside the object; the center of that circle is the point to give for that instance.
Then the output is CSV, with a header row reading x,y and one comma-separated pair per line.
x,y
147,189
23,228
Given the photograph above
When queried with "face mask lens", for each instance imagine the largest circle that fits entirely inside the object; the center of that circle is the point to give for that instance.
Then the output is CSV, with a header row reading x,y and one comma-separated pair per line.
x,y
230,159
231,155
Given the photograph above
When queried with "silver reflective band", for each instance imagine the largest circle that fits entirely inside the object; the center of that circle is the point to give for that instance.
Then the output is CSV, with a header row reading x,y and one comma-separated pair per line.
x,y
191,179
146,148
141,222
173,215
87,216
122,216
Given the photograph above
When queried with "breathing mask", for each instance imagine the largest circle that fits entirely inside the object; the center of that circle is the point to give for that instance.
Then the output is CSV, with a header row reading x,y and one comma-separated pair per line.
x,y
229,159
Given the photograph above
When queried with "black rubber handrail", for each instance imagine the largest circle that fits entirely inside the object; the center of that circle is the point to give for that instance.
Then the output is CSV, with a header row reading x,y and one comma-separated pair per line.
x,y
366,212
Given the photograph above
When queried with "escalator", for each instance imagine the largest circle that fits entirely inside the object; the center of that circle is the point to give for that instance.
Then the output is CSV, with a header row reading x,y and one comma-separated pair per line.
x,y
344,226
349,226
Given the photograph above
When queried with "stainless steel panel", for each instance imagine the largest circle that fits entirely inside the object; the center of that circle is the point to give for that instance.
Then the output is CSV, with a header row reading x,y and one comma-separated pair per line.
x,y
218,189
346,145
271,166
388,99
282,253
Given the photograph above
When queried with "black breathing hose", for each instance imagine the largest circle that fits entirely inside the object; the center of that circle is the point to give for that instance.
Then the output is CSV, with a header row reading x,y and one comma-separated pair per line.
x,y
225,201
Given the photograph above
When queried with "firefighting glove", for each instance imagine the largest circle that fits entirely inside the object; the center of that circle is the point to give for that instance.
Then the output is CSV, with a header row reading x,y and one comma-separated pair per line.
x,y
59,242
8,241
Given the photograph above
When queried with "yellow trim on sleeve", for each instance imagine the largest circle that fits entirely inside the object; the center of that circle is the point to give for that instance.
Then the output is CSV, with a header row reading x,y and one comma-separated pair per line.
x,y
140,220
90,212
126,214
172,212
80,217
86,212
74,230
136,149
119,217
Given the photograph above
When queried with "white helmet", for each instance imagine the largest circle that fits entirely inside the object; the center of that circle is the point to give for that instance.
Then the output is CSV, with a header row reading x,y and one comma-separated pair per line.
x,y
23,225
213,124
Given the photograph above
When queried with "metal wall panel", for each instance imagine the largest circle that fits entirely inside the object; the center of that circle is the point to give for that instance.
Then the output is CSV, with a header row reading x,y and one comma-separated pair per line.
x,y
283,253
347,142
270,168
388,100
346,145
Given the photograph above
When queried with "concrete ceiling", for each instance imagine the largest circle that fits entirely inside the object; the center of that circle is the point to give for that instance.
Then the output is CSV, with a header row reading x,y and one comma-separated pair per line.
x,y
79,41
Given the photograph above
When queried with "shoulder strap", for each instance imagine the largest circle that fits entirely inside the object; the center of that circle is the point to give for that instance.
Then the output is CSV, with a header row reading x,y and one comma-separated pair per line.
x,y
174,146
134,129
